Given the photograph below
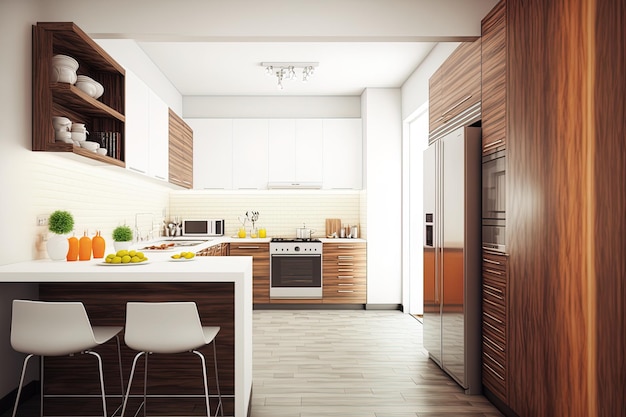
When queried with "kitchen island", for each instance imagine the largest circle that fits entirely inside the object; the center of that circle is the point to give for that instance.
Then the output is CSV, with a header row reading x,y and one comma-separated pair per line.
x,y
222,289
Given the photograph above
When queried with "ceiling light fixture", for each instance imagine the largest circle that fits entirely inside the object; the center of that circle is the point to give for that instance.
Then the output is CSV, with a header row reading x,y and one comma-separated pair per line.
x,y
287,70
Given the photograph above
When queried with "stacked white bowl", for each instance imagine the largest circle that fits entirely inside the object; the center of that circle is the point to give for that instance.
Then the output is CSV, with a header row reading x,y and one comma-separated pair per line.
x,y
63,69
79,133
90,86
62,127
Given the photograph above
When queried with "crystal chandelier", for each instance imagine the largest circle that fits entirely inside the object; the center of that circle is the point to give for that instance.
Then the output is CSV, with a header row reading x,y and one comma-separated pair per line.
x,y
287,70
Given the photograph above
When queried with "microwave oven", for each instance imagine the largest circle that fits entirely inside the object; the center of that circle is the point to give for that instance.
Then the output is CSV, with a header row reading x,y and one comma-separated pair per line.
x,y
203,227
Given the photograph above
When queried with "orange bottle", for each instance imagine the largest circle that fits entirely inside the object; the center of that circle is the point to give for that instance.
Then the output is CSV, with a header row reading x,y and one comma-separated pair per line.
x,y
72,253
84,248
98,245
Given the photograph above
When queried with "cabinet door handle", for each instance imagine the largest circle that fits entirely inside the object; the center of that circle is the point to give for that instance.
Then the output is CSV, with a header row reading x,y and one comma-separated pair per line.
x,y
345,291
463,100
248,247
493,271
493,290
492,318
489,261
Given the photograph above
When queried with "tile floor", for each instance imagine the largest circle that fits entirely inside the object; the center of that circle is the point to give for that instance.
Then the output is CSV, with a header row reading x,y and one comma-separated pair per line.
x,y
338,363
314,363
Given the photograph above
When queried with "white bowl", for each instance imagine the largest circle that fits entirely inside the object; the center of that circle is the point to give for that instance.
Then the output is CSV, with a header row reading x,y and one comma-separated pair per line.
x,y
78,127
61,123
101,151
91,146
63,135
65,61
89,86
79,136
63,69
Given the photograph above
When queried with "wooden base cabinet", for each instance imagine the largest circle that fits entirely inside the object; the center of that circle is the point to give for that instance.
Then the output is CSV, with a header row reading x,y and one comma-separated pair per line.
x,y
260,268
344,273
495,330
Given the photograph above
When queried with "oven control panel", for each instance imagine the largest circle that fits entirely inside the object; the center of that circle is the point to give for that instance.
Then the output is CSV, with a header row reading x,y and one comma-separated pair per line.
x,y
295,248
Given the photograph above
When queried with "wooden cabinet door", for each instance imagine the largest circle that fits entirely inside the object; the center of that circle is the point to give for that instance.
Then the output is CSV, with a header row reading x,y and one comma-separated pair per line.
x,y
180,151
344,269
260,268
494,80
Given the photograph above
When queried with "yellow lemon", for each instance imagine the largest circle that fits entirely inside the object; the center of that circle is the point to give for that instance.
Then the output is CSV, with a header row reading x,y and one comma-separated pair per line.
x,y
117,260
125,259
121,253
132,253
189,255
140,255
176,256
135,259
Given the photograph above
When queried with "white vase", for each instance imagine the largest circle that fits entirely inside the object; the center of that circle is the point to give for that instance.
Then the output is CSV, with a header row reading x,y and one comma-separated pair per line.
x,y
121,245
57,247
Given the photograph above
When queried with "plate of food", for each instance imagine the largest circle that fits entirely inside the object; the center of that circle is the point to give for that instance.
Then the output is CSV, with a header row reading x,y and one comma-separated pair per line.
x,y
144,262
163,247
183,257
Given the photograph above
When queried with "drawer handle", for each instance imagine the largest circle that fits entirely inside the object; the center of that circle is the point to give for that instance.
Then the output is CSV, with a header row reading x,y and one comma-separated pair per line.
x,y
493,304
494,328
494,361
345,276
346,270
493,344
345,247
493,371
345,264
340,284
493,144
493,318
345,258
248,247
493,271
345,290
492,288
491,261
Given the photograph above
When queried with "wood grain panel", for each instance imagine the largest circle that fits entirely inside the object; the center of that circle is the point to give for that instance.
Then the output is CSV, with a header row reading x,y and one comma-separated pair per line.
x,y
548,173
608,223
180,151
493,56
345,273
260,253
177,374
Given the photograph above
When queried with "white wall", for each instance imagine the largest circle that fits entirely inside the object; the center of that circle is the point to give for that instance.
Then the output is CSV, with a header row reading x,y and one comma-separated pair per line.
x,y
382,127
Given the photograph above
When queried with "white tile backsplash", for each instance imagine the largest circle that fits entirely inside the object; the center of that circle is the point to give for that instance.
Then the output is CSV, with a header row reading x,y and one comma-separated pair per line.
x,y
280,211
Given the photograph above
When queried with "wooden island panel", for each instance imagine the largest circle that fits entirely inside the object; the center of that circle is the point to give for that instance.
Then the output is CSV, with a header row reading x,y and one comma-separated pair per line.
x,y
178,374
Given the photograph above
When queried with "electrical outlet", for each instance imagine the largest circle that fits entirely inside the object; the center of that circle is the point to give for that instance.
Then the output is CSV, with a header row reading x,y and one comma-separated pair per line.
x,y
42,220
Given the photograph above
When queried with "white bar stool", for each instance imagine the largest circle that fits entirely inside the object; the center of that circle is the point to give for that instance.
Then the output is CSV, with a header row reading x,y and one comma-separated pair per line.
x,y
58,329
170,327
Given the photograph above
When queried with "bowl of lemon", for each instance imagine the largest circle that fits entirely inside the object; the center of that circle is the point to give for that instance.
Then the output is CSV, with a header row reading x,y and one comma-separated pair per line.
x,y
125,258
183,257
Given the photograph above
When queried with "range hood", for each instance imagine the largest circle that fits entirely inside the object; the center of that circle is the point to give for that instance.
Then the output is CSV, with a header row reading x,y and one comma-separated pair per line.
x,y
288,185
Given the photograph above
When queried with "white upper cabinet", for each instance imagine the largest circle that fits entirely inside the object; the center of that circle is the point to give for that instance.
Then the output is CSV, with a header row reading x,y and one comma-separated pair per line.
x,y
250,153
343,154
136,142
158,134
147,130
212,153
295,151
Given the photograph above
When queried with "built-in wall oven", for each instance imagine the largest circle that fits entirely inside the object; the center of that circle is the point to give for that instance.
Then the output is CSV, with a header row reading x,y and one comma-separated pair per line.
x,y
295,268
494,201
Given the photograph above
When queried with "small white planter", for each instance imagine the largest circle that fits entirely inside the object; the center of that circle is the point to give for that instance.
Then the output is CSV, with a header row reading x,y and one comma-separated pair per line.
x,y
57,247
121,245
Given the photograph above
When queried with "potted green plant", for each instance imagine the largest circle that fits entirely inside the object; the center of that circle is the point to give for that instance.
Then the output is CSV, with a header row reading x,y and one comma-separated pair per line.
x,y
122,237
60,223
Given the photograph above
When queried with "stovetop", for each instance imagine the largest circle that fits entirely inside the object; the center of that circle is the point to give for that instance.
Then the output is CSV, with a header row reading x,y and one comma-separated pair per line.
x,y
294,239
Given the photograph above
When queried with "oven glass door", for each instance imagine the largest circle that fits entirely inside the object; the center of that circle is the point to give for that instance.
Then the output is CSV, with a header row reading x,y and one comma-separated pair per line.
x,y
296,276
494,186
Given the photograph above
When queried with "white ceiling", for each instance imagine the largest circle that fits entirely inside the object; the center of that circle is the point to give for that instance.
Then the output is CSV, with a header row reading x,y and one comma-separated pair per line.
x,y
234,68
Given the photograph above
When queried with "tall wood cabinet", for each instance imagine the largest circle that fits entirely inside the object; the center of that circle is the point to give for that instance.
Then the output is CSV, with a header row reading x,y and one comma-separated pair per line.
x,y
564,136
105,114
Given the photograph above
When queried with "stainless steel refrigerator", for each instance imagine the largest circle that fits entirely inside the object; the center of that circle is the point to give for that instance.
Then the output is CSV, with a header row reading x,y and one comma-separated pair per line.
x,y
452,255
